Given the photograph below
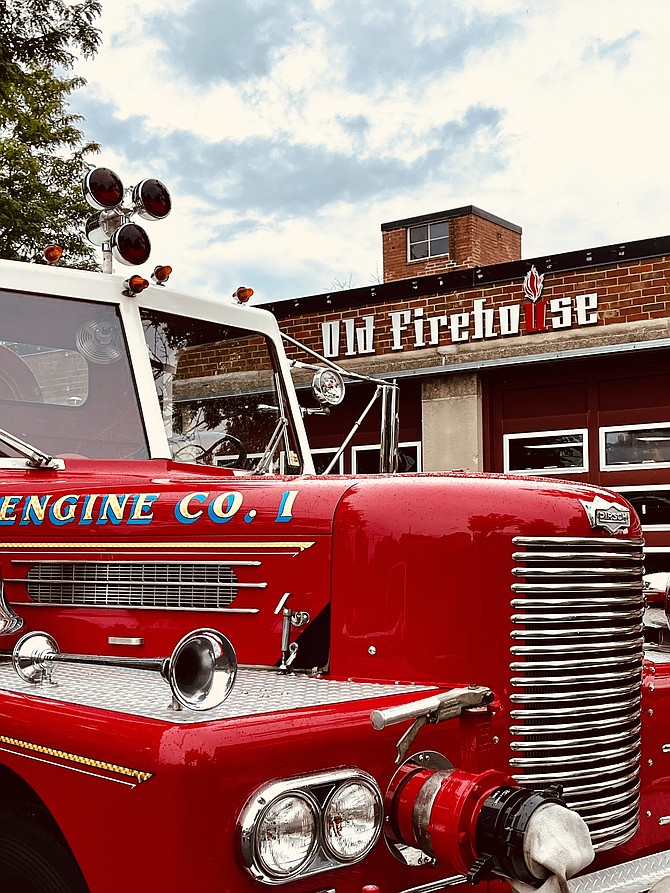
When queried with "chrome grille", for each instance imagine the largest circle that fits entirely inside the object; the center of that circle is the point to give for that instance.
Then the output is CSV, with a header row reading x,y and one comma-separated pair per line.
x,y
575,676
188,585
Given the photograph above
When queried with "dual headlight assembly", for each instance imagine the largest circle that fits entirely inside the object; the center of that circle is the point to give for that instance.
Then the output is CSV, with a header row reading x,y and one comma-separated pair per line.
x,y
301,826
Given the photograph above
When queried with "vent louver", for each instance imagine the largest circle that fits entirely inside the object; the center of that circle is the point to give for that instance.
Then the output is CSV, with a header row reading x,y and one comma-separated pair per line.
x,y
195,585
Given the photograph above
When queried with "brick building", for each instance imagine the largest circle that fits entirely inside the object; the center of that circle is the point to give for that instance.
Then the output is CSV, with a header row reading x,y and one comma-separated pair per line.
x,y
555,365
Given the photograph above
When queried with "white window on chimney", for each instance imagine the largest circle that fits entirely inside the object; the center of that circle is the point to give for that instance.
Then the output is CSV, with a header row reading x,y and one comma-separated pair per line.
x,y
428,240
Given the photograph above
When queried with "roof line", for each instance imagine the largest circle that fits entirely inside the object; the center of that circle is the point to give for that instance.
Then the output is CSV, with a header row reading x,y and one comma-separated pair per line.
x,y
473,277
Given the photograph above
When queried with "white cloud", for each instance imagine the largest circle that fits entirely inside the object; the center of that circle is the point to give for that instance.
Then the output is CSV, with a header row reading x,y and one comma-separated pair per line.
x,y
573,150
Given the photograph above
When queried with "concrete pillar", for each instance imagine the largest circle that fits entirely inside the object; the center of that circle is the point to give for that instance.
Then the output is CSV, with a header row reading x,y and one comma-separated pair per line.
x,y
452,422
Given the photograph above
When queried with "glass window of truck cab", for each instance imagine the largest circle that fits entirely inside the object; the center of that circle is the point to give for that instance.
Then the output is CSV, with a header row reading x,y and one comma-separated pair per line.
x,y
221,394
66,384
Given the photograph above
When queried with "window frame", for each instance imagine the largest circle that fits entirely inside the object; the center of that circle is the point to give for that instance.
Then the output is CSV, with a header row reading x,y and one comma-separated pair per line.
x,y
369,447
331,451
551,470
429,240
628,466
651,489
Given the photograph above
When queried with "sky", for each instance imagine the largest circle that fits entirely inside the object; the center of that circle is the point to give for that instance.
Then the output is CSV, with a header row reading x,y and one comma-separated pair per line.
x,y
288,131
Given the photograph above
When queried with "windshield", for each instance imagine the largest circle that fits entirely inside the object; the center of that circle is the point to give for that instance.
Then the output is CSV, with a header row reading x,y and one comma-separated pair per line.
x,y
65,378
221,395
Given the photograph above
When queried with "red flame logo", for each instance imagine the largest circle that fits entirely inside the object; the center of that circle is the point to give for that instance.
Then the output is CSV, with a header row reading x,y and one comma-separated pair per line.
x,y
532,284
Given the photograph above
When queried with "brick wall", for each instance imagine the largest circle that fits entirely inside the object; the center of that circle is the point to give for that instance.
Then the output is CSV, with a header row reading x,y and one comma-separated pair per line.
x,y
474,241
627,293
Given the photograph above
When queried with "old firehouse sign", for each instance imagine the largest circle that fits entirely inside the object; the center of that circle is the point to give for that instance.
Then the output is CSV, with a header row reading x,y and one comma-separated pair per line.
x,y
414,328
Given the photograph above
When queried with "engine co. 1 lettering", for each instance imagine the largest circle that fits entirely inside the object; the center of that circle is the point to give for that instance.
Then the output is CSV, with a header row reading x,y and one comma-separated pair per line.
x,y
223,507
130,508
78,508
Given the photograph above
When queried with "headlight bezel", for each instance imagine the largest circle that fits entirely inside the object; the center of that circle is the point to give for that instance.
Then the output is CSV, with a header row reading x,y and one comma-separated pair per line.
x,y
318,789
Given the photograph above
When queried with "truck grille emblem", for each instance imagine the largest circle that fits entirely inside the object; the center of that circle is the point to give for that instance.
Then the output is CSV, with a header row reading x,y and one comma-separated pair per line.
x,y
608,515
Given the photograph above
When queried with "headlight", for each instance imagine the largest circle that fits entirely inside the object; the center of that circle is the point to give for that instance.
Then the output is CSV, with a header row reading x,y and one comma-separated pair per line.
x,y
286,835
352,820
297,827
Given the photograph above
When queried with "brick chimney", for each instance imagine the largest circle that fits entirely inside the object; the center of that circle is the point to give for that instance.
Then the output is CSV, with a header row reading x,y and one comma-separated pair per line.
x,y
449,240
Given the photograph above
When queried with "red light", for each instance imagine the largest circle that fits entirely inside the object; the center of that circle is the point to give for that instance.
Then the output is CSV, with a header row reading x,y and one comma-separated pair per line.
x,y
131,245
161,274
135,285
53,254
243,294
152,199
103,189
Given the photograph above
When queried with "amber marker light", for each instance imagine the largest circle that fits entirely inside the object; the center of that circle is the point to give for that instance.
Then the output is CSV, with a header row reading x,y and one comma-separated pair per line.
x,y
135,285
161,275
53,254
242,294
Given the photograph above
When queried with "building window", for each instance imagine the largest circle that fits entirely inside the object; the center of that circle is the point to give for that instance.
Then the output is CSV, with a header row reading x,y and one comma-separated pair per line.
x,y
365,459
323,457
546,452
428,240
652,505
635,446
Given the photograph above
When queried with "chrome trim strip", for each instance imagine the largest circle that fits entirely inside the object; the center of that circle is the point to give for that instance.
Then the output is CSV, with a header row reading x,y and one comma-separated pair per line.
x,y
576,587
593,541
631,660
595,602
575,556
615,798
585,759
126,561
569,571
567,697
566,744
588,617
117,607
602,772
538,728
146,548
621,781
560,712
622,644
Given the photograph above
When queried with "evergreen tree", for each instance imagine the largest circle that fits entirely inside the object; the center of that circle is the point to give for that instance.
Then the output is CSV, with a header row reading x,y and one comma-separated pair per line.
x,y
42,151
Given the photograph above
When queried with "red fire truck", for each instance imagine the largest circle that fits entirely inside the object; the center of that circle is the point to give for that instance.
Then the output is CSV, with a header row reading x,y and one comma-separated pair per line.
x,y
222,672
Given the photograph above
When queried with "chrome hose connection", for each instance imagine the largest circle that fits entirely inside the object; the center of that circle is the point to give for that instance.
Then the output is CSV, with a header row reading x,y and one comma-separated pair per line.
x,y
577,653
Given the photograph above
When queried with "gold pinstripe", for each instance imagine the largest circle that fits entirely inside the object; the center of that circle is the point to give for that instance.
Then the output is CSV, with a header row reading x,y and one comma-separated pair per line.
x,y
137,774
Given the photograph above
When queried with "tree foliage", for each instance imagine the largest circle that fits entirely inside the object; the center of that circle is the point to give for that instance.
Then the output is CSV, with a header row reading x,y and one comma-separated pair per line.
x,y
43,156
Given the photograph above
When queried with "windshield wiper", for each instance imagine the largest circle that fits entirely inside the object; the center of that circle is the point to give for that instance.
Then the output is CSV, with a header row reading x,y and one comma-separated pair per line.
x,y
35,458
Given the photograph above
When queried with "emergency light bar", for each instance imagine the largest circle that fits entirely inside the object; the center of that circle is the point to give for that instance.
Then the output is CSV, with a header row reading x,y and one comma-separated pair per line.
x,y
110,228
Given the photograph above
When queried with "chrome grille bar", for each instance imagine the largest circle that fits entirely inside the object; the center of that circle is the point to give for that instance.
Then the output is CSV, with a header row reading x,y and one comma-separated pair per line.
x,y
577,607
204,585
